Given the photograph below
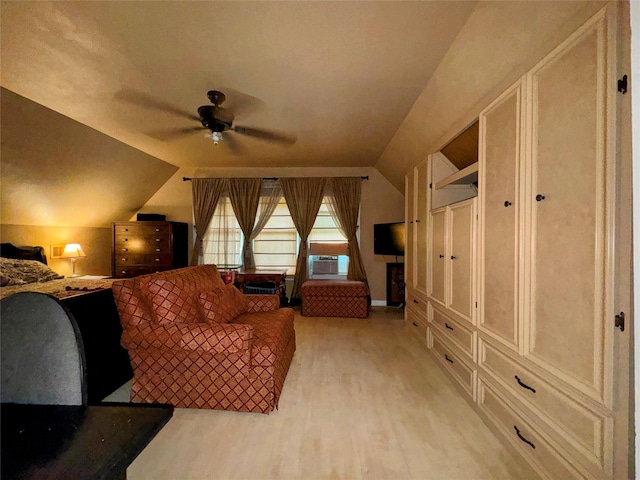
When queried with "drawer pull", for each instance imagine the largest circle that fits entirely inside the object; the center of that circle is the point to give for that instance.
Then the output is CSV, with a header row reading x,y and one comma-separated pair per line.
x,y
158,249
441,256
124,259
452,257
157,259
125,249
415,301
125,229
524,385
157,229
415,324
448,326
507,203
523,439
158,239
539,198
447,358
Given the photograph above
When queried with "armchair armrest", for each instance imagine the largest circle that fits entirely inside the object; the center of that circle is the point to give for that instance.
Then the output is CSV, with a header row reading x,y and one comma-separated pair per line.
x,y
220,338
263,302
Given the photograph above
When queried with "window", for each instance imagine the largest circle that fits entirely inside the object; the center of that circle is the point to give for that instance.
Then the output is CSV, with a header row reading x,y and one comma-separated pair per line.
x,y
222,244
276,247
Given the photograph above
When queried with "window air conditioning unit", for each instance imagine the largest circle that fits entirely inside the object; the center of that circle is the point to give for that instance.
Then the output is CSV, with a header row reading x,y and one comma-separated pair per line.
x,y
325,266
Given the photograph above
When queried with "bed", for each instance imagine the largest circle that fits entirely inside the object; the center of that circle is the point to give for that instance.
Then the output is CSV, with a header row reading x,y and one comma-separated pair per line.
x,y
90,301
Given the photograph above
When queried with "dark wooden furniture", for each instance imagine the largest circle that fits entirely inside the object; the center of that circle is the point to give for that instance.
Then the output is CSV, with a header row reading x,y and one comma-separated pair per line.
x,y
108,365
395,284
95,442
147,247
246,277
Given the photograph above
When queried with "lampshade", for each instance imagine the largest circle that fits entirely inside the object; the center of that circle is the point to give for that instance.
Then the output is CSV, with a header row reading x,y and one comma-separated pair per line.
x,y
73,250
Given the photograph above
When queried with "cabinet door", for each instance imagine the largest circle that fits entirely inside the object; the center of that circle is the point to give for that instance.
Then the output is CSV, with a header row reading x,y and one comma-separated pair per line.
x,y
571,211
421,190
409,233
437,255
462,219
499,173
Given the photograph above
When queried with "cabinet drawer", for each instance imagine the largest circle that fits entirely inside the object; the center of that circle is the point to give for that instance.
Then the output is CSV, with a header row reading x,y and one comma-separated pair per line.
x,y
588,432
142,244
463,373
148,260
417,327
141,229
522,435
455,332
417,303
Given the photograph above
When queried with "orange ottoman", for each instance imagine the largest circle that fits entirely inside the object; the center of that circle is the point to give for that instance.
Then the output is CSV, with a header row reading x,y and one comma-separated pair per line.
x,y
334,298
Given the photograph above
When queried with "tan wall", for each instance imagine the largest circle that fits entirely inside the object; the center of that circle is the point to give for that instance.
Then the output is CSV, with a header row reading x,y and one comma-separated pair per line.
x,y
381,203
95,242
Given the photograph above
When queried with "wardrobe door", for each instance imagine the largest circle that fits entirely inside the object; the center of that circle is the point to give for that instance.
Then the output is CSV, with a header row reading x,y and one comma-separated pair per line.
x,y
570,210
499,173
438,254
462,233
422,188
410,226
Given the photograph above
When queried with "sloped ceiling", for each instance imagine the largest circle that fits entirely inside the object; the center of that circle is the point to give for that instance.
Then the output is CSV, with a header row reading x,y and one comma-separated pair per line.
x,y
341,76
58,172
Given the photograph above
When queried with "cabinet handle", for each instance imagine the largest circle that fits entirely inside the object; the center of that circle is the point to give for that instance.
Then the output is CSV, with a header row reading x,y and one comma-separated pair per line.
x,y
524,385
417,221
125,249
158,249
507,203
157,259
124,259
441,256
448,326
125,239
539,198
447,358
452,257
125,229
415,324
415,301
523,439
157,229
411,221
157,239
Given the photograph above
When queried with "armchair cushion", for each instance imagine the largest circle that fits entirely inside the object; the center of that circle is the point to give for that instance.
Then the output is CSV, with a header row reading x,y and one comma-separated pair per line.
x,y
223,304
219,338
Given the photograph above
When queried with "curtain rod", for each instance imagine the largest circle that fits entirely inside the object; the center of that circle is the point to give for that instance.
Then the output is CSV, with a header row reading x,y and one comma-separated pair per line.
x,y
188,179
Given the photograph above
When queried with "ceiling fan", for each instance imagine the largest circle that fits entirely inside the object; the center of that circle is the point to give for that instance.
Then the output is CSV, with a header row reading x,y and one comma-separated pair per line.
x,y
212,117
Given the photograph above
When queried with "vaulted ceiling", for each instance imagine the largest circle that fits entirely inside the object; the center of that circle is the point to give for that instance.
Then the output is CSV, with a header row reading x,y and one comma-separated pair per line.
x,y
339,76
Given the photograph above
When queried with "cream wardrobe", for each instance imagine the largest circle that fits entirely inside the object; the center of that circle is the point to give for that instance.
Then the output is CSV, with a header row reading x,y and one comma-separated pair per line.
x,y
513,291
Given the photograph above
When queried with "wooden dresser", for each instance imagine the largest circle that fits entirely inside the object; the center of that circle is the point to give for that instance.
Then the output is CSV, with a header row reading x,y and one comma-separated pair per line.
x,y
147,247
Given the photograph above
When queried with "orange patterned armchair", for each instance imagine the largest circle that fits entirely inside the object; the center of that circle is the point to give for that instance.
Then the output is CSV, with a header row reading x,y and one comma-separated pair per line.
x,y
195,342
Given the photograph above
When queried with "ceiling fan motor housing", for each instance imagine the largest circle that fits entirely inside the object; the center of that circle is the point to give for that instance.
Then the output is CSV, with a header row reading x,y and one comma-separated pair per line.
x,y
211,120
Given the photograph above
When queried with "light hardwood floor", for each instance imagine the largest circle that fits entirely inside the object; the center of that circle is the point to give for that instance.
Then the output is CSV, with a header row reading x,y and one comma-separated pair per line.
x,y
362,400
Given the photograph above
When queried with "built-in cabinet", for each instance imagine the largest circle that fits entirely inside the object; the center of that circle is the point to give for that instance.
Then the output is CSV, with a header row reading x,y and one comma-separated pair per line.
x,y
520,310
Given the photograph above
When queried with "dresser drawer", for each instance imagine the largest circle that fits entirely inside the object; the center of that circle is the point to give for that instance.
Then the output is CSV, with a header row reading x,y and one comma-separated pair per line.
x,y
455,331
522,435
148,260
141,229
461,371
128,272
142,244
579,428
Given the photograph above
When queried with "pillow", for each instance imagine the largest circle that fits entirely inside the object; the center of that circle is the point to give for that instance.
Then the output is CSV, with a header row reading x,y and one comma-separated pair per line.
x,y
173,300
19,272
223,304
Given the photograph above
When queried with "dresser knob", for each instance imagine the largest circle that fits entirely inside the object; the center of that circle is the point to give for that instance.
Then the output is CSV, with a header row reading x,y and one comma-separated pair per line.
x,y
157,229
507,203
157,259
157,239
124,259
157,249
125,229
539,198
125,249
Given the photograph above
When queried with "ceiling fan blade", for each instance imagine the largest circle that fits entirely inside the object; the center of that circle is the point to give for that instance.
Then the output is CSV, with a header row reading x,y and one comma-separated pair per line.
x,y
231,143
172,134
268,135
146,101
240,103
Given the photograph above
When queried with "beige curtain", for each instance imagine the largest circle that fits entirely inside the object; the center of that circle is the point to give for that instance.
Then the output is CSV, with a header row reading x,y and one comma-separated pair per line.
x,y
244,194
270,196
205,194
303,197
344,205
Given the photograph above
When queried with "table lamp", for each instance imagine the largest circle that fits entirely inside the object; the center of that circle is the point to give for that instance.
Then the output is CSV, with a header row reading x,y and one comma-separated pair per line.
x,y
73,251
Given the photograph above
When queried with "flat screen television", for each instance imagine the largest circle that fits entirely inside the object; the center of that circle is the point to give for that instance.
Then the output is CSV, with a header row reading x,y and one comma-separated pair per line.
x,y
388,238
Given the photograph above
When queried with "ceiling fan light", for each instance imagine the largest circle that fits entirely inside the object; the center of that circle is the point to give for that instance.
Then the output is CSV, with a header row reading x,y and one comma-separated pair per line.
x,y
216,137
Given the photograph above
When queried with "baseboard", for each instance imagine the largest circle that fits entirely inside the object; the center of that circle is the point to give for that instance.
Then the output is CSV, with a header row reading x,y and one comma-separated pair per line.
x,y
378,303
